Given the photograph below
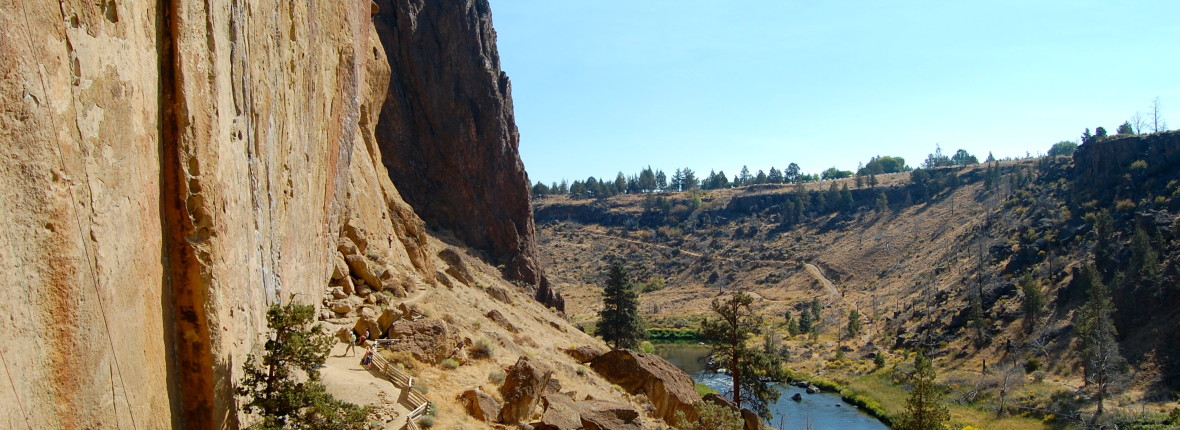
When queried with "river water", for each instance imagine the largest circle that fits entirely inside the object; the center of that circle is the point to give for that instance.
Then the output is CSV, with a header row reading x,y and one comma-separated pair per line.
x,y
823,411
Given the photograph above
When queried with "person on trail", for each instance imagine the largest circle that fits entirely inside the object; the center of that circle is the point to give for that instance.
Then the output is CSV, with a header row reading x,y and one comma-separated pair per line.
x,y
363,339
368,358
351,344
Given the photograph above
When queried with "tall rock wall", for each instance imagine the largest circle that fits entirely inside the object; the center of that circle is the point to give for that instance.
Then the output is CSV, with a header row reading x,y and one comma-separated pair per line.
x,y
169,170
448,135
85,330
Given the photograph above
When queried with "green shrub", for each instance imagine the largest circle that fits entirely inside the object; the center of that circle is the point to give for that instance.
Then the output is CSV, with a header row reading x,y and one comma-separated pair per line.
x,y
1032,365
482,348
497,376
449,364
422,388
646,347
712,416
703,389
879,360
673,335
426,421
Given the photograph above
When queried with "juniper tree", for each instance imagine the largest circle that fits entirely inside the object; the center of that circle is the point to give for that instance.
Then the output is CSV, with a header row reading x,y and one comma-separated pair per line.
x,y
853,328
618,321
923,409
753,370
271,384
1033,303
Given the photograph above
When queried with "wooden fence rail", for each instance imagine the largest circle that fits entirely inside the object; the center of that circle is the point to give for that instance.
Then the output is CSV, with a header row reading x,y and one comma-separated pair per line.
x,y
418,401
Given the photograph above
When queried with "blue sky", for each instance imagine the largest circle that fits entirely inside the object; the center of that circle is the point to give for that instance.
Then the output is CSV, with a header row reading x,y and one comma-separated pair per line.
x,y
606,86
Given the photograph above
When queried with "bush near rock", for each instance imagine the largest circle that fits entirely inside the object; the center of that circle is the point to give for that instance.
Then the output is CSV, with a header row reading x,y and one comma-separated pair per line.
x,y
751,420
668,387
522,389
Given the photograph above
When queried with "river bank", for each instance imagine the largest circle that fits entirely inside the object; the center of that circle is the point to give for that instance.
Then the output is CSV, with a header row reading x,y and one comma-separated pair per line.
x,y
823,410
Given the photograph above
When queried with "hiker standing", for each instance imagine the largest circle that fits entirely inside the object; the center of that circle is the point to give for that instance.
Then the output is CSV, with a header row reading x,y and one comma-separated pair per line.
x,y
351,344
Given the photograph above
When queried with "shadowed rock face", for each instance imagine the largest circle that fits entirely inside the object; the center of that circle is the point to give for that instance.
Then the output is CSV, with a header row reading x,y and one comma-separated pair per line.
x,y
448,136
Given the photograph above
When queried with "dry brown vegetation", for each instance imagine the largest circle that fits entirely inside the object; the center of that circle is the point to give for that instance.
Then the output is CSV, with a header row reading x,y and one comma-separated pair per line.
x,y
910,272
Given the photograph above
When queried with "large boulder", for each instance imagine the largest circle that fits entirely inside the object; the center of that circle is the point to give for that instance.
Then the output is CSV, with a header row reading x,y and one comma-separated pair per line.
x,y
455,266
604,415
667,387
362,268
480,405
428,339
560,414
367,324
388,316
584,353
499,319
751,420
522,389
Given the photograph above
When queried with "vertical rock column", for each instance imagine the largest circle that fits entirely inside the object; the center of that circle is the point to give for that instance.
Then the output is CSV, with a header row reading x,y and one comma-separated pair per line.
x,y
448,136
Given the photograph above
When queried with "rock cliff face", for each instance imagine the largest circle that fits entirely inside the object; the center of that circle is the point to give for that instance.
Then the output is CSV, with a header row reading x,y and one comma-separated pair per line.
x,y
448,135
1105,163
170,169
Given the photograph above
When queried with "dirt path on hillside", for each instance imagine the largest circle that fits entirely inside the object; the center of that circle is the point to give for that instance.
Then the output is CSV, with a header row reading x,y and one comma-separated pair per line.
x,y
346,380
833,293
685,251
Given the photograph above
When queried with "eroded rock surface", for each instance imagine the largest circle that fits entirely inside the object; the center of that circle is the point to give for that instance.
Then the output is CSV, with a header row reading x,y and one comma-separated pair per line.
x,y
522,389
480,405
172,169
604,415
428,339
667,387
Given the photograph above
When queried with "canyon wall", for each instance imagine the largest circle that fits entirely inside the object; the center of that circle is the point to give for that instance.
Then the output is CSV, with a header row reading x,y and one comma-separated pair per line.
x,y
171,169
86,323
448,135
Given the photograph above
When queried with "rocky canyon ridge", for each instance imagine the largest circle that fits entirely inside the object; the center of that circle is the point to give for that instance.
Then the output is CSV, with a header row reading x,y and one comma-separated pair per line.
x,y
170,169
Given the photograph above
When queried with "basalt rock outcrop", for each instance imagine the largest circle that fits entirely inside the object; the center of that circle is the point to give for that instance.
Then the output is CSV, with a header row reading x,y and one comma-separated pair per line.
x,y
522,390
480,405
171,169
667,387
448,136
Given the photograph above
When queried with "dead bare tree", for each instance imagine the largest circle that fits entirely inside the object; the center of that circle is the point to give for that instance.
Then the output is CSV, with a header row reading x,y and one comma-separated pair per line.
x,y
1138,122
1009,375
1157,122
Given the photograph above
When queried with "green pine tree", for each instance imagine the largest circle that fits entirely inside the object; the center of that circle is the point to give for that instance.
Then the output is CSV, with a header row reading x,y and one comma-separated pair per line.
x,y
1034,301
1104,365
853,328
806,321
619,322
924,409
271,384
754,371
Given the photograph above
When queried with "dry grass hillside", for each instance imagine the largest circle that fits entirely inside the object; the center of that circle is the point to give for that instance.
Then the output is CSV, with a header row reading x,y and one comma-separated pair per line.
x,y
910,268
464,299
